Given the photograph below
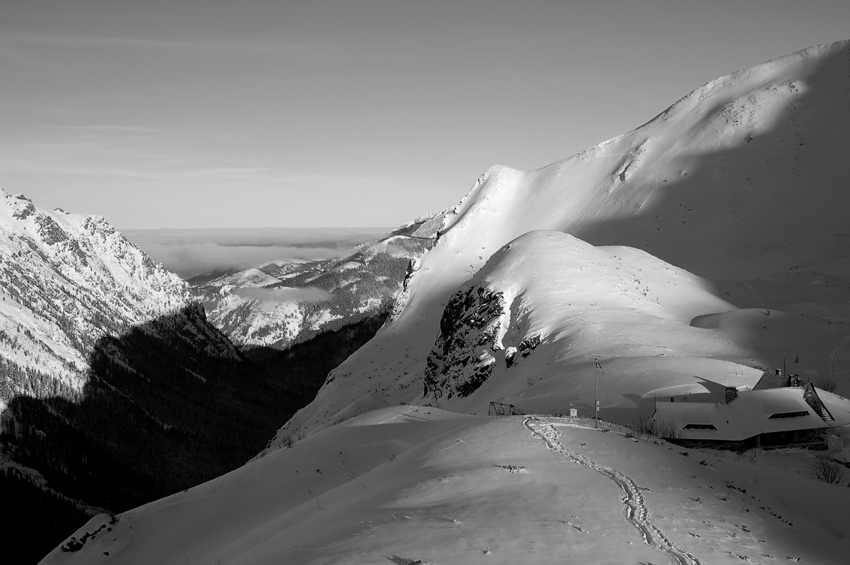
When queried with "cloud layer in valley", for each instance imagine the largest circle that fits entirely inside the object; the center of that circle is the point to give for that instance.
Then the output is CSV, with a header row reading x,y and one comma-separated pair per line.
x,y
192,252
308,294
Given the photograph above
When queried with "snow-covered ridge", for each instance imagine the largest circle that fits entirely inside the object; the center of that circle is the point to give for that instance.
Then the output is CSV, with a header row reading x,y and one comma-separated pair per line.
x,y
280,305
68,279
535,310
739,182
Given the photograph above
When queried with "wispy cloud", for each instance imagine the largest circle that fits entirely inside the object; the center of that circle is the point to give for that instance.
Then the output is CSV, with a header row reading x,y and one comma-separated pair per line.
x,y
194,259
306,294
332,238
102,159
317,51
105,128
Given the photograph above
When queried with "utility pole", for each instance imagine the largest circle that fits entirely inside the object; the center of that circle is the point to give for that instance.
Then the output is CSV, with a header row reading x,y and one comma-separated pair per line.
x,y
596,393
596,384
785,370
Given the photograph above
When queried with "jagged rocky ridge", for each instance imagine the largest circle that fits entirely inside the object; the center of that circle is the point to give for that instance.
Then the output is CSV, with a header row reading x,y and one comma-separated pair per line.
x,y
67,280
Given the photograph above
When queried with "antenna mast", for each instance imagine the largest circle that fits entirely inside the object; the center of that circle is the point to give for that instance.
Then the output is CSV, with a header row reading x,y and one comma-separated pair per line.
x,y
596,392
596,368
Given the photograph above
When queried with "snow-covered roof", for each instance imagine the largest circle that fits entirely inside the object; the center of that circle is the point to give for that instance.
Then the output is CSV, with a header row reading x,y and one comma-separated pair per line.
x,y
752,413
838,406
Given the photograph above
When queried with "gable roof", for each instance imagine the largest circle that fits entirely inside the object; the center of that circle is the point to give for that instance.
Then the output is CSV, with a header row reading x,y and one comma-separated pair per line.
x,y
752,413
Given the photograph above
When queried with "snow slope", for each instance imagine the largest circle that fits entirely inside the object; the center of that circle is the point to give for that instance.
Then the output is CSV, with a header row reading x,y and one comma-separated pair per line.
x,y
419,485
741,182
567,303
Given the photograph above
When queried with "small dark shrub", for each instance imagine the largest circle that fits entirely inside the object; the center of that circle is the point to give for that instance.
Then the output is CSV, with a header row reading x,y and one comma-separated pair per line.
x,y
827,470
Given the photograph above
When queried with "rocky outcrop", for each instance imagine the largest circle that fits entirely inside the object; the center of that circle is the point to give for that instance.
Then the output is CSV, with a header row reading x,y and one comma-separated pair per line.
x,y
461,359
514,355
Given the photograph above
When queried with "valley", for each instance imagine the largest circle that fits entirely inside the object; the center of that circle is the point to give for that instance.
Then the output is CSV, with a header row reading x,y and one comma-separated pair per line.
x,y
115,387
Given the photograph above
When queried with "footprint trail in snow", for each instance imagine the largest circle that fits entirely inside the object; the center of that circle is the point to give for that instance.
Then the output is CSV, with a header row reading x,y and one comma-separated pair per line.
x,y
637,510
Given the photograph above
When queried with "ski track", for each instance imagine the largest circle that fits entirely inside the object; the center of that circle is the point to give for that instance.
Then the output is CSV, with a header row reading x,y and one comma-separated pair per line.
x,y
636,508
835,354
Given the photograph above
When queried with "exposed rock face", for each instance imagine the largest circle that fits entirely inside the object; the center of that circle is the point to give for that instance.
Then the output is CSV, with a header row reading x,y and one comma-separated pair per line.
x,y
513,355
462,360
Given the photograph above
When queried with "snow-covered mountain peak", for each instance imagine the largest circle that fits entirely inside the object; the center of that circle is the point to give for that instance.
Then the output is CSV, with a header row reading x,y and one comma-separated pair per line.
x,y
793,70
67,279
741,182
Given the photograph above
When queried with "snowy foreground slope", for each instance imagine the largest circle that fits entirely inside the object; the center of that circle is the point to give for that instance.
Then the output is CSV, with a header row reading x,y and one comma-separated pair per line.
x,y
420,485
741,183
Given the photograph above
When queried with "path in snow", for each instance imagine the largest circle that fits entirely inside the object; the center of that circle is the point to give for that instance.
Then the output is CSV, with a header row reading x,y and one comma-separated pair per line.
x,y
637,510
835,354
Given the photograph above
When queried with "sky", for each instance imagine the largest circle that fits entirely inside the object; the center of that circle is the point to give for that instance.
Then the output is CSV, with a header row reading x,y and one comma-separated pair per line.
x,y
192,114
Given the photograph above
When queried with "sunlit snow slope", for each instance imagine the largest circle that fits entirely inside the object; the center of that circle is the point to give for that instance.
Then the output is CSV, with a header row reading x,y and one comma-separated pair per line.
x,y
742,182
564,303
409,485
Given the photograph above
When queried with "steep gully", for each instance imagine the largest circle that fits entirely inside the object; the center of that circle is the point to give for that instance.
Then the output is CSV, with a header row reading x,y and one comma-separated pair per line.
x,y
636,508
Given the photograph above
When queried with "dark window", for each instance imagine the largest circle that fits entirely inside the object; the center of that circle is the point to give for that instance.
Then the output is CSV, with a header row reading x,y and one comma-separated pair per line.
x,y
700,427
796,414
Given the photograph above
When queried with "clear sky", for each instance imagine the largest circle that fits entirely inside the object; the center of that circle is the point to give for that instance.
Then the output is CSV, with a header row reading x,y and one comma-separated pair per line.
x,y
190,114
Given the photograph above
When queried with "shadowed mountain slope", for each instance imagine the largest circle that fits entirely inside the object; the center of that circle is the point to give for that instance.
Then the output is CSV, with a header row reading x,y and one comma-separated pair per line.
x,y
157,414
115,389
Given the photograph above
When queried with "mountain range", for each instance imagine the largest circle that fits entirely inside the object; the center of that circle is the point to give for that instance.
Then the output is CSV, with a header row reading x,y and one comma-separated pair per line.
x,y
115,388
706,247
731,203
280,304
